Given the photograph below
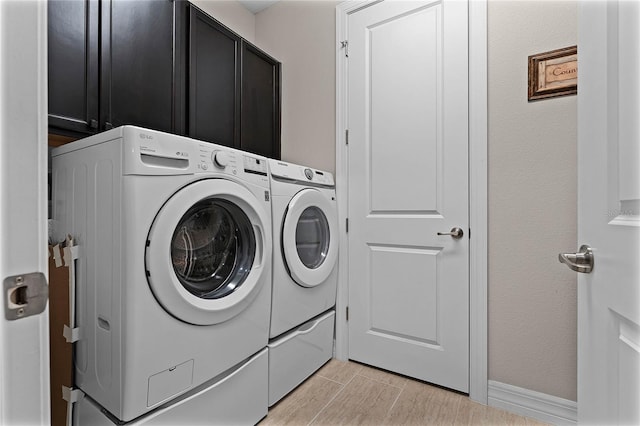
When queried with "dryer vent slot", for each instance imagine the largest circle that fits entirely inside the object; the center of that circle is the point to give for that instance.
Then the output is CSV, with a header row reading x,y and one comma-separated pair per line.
x,y
156,161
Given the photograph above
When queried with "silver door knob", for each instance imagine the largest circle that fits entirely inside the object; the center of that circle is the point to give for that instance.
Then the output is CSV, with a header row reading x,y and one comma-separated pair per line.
x,y
456,233
582,261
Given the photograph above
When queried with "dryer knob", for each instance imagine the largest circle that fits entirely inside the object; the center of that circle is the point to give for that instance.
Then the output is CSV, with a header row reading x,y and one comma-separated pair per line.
x,y
220,159
308,173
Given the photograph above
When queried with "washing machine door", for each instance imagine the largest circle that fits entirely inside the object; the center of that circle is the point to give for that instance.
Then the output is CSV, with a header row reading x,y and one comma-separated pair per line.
x,y
206,251
310,237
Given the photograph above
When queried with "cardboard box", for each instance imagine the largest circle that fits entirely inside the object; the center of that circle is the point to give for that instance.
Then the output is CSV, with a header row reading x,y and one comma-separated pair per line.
x,y
60,352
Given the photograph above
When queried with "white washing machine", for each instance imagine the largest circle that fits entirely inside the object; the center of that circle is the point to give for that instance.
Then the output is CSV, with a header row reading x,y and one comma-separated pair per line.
x,y
174,272
305,276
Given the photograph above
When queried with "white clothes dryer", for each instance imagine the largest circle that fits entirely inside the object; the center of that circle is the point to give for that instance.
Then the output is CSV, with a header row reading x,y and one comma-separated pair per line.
x,y
305,244
305,254
174,276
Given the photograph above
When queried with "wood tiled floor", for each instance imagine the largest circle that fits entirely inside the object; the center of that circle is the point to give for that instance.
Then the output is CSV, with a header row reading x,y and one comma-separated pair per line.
x,y
348,393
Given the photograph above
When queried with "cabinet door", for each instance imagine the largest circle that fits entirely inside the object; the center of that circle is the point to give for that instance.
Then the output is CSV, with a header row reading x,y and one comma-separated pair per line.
x,y
73,65
138,64
213,81
260,130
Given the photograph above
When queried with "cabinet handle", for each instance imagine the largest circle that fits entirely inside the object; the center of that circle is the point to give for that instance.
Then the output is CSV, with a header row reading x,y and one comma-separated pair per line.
x,y
93,124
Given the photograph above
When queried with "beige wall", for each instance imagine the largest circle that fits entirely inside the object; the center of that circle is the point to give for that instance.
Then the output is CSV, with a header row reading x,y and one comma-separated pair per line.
x,y
232,14
301,34
532,203
532,173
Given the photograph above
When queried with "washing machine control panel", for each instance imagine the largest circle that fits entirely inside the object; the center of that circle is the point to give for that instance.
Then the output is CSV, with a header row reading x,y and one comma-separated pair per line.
x,y
219,159
215,158
255,165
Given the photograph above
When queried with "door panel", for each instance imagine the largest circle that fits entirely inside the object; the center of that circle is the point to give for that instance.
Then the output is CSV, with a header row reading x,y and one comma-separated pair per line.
x,y
609,213
137,75
392,313
404,113
260,130
408,120
214,81
299,226
73,53
221,223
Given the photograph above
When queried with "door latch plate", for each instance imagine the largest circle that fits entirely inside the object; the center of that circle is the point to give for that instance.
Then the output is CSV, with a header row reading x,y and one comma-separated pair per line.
x,y
25,295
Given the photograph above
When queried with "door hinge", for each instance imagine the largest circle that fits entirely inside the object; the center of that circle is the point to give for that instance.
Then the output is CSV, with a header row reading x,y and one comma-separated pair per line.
x,y
347,313
347,224
345,45
346,136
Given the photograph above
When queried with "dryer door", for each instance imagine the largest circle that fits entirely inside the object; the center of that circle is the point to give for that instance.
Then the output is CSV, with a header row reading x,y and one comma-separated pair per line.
x,y
206,251
310,237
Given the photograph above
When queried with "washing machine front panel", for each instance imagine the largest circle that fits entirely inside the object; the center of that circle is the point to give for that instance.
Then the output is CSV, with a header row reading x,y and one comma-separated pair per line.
x,y
309,237
206,251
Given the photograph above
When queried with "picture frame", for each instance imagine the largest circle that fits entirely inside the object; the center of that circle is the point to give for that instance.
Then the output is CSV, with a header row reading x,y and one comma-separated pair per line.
x,y
553,74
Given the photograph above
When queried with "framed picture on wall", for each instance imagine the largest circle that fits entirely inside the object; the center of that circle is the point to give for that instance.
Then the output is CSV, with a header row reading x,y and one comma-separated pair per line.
x,y
553,73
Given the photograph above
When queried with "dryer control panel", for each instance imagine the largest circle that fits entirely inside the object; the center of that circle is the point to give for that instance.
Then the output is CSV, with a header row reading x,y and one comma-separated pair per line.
x,y
295,172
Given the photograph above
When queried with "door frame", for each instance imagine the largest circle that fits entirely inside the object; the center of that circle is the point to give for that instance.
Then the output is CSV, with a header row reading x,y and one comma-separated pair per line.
x,y
24,357
478,322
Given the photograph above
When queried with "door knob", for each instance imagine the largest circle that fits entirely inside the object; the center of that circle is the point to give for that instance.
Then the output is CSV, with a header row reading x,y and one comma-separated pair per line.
x,y
456,233
582,261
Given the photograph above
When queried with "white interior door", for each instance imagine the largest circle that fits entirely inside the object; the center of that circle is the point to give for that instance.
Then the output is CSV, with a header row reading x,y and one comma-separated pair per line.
x,y
408,182
609,212
24,347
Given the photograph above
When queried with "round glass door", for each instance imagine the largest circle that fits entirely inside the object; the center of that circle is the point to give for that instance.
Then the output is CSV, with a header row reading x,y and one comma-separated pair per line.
x,y
312,237
207,251
309,237
212,248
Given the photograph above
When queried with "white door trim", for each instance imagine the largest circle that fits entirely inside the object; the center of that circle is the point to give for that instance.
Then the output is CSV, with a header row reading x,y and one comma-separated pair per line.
x,y
477,190
24,357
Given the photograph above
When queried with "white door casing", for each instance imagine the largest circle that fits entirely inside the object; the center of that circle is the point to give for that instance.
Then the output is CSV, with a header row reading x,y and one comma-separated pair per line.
x,y
609,212
408,185
24,343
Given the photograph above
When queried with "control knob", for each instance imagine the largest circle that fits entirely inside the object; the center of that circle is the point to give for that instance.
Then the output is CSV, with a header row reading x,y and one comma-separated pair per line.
x,y
220,159
308,173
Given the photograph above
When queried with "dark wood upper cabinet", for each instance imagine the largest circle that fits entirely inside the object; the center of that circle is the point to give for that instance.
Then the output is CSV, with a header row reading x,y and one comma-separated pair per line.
x,y
160,64
213,81
137,64
260,129
111,62
233,89
73,65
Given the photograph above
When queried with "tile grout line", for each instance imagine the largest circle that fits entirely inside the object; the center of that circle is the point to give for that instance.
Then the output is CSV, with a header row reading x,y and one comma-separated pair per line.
x,y
394,403
331,380
381,382
331,400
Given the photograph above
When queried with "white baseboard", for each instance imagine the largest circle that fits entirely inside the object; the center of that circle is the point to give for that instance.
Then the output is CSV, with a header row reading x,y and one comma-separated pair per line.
x,y
539,406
